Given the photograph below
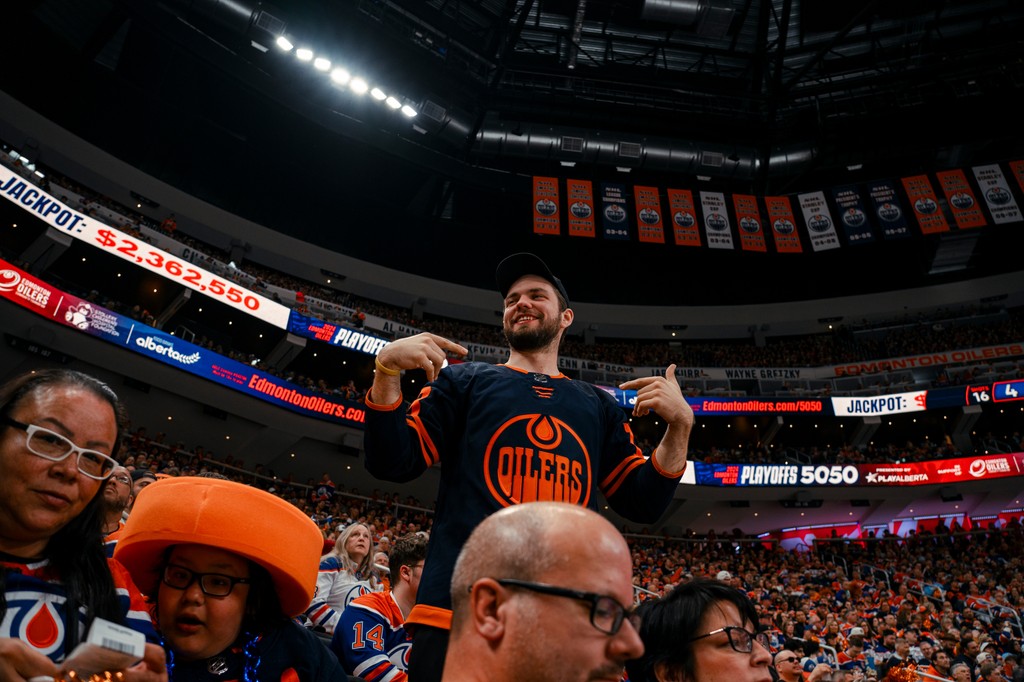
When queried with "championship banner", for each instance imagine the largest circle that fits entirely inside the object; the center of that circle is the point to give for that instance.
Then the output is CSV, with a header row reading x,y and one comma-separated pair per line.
x,y
614,216
783,222
716,220
820,226
684,217
649,226
960,197
748,217
545,206
926,204
137,251
959,470
581,208
852,215
1018,172
998,196
68,310
892,219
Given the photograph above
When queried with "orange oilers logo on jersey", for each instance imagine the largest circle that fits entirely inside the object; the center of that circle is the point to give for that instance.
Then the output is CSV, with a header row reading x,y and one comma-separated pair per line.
x,y
537,458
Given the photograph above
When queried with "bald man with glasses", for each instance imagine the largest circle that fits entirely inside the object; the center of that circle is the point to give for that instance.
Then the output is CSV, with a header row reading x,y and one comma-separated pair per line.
x,y
542,591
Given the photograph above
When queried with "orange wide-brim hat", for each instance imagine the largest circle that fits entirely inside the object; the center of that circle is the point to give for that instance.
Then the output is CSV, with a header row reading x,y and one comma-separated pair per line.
x,y
193,510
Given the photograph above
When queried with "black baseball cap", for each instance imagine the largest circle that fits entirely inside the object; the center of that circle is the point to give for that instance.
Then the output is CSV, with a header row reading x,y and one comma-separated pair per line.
x,y
521,264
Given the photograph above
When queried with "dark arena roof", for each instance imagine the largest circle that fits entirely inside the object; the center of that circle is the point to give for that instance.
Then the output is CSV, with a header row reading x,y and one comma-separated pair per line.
x,y
732,96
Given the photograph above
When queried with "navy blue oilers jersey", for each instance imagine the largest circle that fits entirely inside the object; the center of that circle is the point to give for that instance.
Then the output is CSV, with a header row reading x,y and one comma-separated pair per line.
x,y
504,436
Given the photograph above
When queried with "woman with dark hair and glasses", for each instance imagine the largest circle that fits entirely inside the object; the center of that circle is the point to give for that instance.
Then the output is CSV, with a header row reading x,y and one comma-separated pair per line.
x,y
59,435
702,631
229,567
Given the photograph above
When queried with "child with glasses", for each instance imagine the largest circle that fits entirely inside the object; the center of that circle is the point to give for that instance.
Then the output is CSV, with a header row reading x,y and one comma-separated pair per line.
x,y
228,567
59,435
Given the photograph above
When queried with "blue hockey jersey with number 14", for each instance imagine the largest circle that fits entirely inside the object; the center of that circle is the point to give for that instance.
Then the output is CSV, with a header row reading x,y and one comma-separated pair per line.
x,y
370,641
504,436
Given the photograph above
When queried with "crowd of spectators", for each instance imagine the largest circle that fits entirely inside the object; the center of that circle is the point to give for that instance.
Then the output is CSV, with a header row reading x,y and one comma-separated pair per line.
x,y
946,588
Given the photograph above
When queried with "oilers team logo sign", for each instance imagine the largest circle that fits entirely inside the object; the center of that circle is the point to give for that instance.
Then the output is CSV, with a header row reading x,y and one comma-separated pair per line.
x,y
818,223
783,226
854,217
997,196
9,280
962,200
717,222
648,216
581,209
925,206
537,458
889,212
684,219
750,226
614,213
547,207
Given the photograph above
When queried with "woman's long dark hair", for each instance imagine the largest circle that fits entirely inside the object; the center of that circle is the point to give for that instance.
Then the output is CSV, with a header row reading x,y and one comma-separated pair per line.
x,y
75,551
667,625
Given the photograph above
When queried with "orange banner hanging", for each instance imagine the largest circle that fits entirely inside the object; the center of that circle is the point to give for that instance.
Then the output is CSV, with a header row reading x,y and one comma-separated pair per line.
x,y
580,195
926,204
748,219
545,206
783,222
649,226
684,217
1017,167
960,197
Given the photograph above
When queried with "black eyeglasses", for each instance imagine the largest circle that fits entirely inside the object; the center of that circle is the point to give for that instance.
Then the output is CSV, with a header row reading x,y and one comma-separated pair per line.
x,y
212,584
740,639
606,613
56,448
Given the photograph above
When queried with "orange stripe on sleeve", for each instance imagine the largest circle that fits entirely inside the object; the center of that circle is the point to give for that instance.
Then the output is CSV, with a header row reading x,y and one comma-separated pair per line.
x,y
667,474
434,616
634,463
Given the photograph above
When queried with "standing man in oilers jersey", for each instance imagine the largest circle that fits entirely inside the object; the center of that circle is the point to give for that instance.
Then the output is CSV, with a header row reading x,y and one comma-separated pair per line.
x,y
513,433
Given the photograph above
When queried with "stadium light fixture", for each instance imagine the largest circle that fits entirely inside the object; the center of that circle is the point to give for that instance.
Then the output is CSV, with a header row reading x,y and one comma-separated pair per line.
x,y
322,64
378,94
408,111
304,54
284,43
359,86
341,76
393,102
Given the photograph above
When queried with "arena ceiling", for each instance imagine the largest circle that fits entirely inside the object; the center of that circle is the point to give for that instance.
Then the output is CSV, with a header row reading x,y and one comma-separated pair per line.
x,y
757,97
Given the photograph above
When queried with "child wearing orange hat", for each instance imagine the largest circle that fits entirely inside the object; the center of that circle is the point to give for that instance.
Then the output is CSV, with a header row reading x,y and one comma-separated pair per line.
x,y
228,567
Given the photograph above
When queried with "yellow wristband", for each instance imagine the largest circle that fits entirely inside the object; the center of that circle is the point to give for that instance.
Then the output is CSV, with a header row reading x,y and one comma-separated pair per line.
x,y
387,370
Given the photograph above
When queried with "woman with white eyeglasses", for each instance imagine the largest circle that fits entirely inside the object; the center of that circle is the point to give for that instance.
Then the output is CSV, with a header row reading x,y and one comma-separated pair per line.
x,y
59,433
703,631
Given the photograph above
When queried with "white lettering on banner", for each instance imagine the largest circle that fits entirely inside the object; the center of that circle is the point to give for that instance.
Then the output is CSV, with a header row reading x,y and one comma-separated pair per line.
x,y
889,404
166,349
875,477
138,252
759,474
346,338
768,475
